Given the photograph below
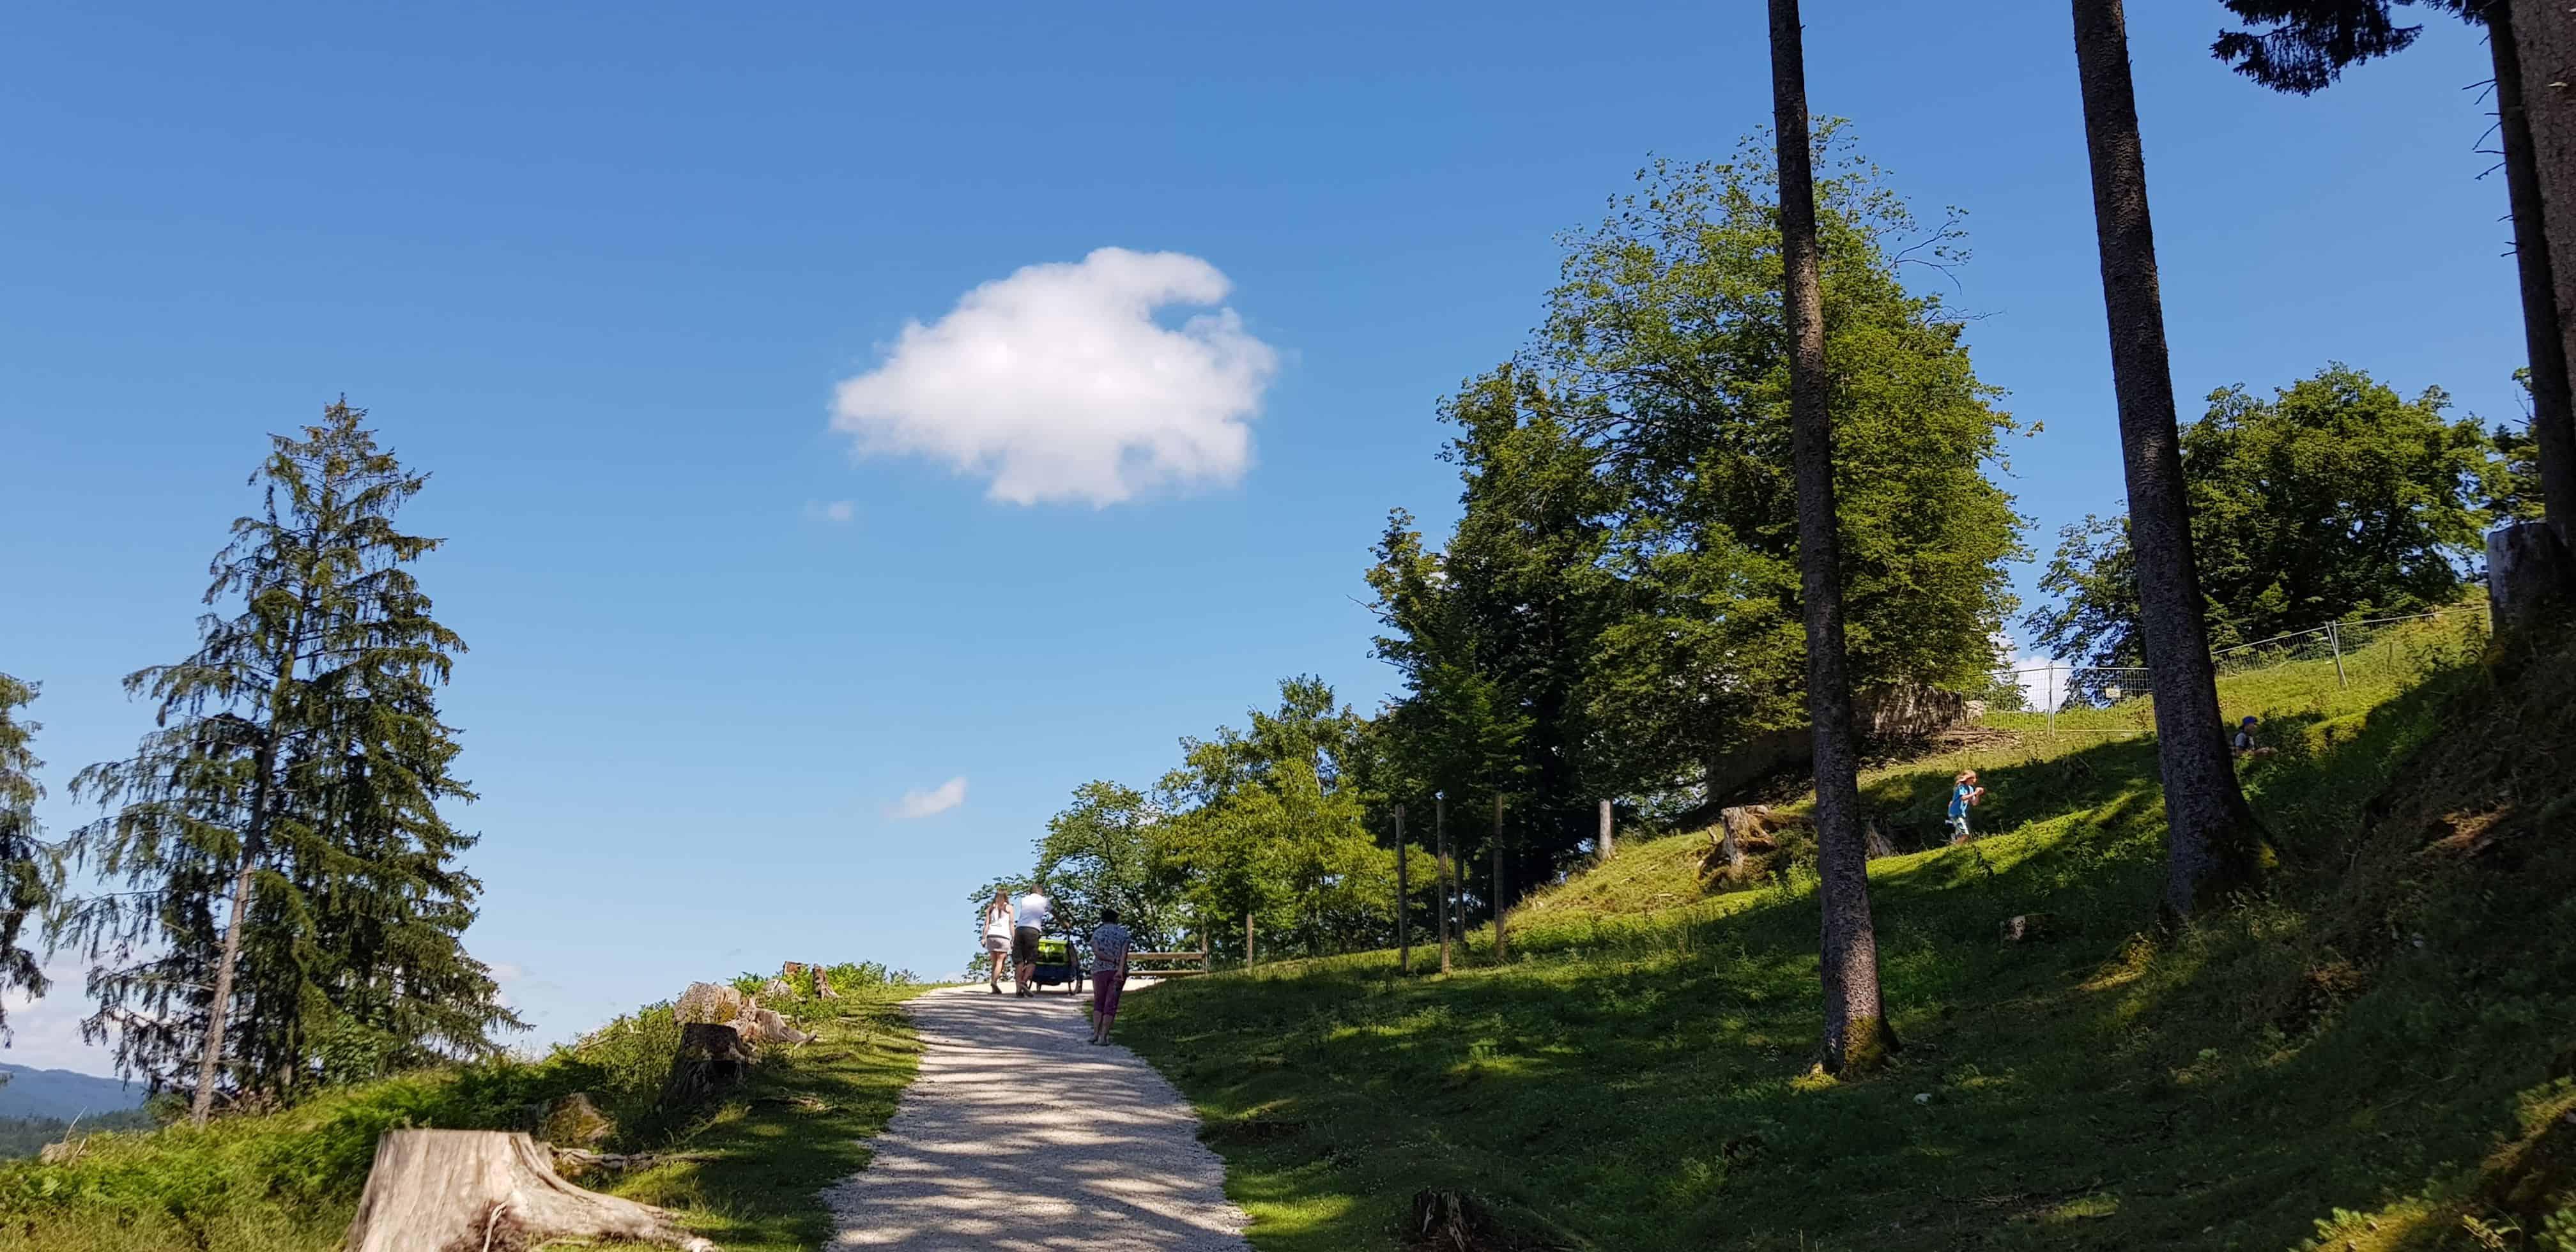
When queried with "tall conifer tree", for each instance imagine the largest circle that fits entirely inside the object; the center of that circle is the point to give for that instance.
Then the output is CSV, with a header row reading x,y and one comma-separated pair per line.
x,y
292,912
26,883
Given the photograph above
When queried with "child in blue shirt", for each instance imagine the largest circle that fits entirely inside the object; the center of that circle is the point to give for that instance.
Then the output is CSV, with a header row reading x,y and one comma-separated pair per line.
x,y
1964,793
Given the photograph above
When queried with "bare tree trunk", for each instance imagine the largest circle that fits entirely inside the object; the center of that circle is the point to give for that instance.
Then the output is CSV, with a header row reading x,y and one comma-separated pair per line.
x,y
1856,1031
210,1056
2553,429
1500,948
2544,47
1440,834
2212,846
1403,902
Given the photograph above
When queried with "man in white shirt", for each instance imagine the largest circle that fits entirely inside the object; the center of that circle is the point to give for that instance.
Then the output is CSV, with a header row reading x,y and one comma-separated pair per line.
x,y
1030,915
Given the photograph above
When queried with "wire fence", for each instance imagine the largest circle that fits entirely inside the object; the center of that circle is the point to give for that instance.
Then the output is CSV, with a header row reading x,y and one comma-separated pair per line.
x,y
2365,650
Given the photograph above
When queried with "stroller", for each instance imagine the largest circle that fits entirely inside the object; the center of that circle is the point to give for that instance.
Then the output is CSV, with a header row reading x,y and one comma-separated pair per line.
x,y
1057,964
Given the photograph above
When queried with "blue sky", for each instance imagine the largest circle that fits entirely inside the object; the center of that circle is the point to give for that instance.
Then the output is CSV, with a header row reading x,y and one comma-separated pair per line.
x,y
604,272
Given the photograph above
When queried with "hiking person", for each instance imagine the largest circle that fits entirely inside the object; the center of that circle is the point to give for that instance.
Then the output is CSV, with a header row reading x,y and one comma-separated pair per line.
x,y
1029,918
998,917
1109,945
1964,795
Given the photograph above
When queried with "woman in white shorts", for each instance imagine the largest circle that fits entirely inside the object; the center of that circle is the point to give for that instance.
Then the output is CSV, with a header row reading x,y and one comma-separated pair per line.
x,y
997,936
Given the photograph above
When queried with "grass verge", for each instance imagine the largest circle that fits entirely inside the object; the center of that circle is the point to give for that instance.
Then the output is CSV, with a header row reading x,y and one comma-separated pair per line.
x,y
2371,1054
745,1172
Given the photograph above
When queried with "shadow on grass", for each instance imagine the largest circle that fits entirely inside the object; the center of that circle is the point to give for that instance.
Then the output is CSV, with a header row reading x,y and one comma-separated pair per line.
x,y
1639,1081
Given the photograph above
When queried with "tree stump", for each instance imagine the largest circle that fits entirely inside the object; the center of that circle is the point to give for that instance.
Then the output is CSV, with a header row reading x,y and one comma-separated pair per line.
x,y
573,1122
2528,574
1739,824
1874,831
464,1190
709,1002
758,1026
713,1059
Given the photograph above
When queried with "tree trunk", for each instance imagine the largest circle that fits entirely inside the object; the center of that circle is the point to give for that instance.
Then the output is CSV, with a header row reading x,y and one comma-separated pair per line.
x,y
1403,901
2553,429
1501,945
2544,45
1856,1029
2212,846
1440,835
437,1190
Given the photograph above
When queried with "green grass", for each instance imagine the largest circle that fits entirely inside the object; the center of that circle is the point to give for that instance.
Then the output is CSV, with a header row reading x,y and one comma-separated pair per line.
x,y
2360,1039
289,1181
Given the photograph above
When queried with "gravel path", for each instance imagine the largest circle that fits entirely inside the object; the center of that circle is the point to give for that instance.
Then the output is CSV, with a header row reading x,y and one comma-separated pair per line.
x,y
1018,1134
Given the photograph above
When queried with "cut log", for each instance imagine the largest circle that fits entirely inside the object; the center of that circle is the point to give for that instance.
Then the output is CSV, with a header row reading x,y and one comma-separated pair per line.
x,y
461,1190
713,1060
778,989
709,1002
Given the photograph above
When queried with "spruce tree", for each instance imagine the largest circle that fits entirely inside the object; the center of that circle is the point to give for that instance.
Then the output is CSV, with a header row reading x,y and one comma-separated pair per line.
x,y
26,880
291,911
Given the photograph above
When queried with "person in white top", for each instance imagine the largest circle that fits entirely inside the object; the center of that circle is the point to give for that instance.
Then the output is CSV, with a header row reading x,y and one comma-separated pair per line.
x,y
998,916
1032,914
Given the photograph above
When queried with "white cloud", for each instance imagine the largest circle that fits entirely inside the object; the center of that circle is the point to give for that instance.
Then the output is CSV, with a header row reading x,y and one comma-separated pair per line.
x,y
835,511
939,799
1058,384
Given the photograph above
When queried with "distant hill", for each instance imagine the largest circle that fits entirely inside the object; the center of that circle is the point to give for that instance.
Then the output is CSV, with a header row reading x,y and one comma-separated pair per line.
x,y
62,1093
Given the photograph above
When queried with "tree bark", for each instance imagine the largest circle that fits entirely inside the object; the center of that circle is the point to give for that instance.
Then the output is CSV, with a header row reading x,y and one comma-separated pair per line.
x,y
1403,901
434,1190
1501,945
2212,846
2553,428
1856,1030
2544,46
1440,834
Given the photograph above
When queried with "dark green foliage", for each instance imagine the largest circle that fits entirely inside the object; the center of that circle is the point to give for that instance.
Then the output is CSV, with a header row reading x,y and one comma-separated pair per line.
x,y
26,1136
1619,604
28,877
2335,499
2311,42
1100,853
299,758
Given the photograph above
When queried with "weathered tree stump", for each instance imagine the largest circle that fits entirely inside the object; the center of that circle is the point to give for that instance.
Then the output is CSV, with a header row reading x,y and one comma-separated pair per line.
x,y
709,1002
758,1026
462,1190
713,1059
1452,1221
573,1122
1874,832
2528,574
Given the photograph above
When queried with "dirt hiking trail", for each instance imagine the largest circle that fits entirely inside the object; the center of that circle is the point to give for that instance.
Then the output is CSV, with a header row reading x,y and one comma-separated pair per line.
x,y
1020,1135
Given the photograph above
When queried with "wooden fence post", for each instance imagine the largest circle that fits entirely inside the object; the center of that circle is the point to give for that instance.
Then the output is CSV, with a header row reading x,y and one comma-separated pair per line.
x,y
1501,951
1248,961
1403,902
1605,844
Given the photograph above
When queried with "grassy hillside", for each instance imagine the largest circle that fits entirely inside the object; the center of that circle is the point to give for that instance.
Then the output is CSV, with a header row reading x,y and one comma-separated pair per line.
x,y
2349,1050
745,1172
